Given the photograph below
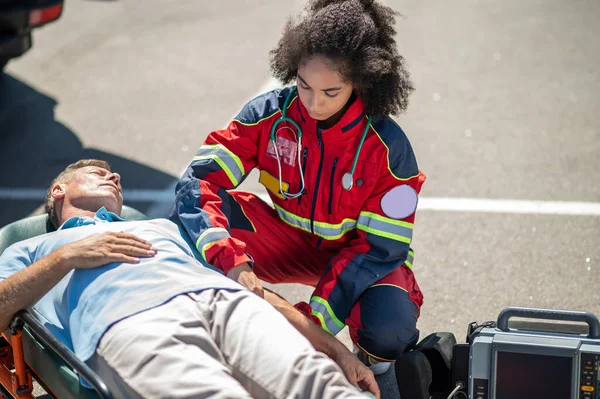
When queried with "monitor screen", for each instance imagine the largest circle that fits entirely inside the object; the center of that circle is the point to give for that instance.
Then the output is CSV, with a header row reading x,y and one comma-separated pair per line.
x,y
526,376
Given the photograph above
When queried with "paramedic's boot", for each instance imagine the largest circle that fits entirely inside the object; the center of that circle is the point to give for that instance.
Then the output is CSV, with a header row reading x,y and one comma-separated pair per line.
x,y
378,368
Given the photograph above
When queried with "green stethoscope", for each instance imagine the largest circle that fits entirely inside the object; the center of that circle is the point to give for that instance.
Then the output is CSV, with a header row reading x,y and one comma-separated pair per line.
x,y
347,178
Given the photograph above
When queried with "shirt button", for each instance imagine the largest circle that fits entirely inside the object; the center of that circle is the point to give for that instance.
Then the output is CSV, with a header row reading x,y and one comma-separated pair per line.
x,y
359,182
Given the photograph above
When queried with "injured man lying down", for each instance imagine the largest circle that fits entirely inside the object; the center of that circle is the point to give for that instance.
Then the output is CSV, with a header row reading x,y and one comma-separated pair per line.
x,y
135,301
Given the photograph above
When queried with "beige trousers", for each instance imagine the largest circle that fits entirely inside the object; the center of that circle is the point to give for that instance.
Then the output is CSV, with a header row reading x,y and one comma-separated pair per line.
x,y
215,344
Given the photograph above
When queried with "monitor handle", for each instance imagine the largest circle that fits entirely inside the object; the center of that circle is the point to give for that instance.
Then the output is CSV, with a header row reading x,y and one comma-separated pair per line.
x,y
550,314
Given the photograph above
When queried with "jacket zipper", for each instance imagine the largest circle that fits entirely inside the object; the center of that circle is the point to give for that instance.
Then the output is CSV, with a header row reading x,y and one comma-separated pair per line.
x,y
314,202
304,155
335,161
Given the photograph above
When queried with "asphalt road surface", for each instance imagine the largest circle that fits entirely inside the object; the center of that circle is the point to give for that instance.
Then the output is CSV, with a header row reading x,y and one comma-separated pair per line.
x,y
506,108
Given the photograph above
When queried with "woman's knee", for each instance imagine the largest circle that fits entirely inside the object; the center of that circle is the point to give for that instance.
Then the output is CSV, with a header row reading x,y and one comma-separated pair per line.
x,y
388,322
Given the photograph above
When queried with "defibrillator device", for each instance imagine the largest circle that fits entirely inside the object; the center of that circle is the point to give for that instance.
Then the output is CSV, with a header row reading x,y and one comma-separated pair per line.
x,y
545,354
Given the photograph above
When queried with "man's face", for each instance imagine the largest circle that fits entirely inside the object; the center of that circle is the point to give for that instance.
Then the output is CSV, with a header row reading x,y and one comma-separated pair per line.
x,y
93,187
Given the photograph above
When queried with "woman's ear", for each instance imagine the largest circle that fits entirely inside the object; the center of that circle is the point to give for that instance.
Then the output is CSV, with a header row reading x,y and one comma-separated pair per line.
x,y
58,191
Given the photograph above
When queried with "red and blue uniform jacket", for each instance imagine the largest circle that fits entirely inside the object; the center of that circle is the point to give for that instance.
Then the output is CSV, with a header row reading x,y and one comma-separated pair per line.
x,y
369,241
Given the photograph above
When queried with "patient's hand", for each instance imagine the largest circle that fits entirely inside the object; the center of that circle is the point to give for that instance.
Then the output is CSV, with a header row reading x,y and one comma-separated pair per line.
x,y
244,275
100,249
357,373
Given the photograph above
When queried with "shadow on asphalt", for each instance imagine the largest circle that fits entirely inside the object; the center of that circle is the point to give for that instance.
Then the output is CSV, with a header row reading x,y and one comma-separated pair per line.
x,y
35,147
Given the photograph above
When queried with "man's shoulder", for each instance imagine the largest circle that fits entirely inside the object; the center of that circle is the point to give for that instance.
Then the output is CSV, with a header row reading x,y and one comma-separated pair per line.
x,y
18,256
27,244
158,222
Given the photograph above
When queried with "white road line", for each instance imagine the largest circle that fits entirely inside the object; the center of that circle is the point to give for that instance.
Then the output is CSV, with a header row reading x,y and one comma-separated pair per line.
x,y
567,208
162,200
133,195
510,206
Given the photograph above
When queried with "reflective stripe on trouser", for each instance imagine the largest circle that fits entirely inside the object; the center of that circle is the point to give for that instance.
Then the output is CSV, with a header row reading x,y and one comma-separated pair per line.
x,y
215,343
285,255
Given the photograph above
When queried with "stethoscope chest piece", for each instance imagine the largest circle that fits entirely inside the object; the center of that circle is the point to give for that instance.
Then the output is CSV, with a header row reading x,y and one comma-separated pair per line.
x,y
347,181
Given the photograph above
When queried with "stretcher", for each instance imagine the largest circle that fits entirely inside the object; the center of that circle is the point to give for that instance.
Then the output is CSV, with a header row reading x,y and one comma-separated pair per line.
x,y
28,351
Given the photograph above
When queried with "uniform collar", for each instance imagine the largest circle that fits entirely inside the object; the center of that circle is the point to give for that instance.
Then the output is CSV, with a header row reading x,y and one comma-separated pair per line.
x,y
351,123
102,216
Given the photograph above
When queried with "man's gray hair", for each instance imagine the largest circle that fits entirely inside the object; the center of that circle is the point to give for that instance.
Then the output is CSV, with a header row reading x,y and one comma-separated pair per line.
x,y
62,177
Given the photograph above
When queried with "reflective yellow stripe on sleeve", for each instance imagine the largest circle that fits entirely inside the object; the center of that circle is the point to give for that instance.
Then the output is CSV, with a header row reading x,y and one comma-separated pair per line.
x,y
230,163
385,227
209,237
322,310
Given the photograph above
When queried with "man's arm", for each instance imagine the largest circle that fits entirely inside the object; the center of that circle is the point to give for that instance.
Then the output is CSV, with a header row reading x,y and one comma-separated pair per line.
x,y
357,373
27,286
322,341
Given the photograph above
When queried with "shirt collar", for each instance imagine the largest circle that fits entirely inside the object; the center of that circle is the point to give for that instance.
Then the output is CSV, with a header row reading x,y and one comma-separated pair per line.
x,y
102,216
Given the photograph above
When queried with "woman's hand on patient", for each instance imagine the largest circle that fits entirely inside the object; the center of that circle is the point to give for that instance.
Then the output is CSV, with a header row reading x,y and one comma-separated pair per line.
x,y
244,275
100,249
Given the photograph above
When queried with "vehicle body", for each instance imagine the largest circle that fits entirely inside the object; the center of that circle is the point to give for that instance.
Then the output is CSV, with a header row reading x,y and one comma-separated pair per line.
x,y
18,18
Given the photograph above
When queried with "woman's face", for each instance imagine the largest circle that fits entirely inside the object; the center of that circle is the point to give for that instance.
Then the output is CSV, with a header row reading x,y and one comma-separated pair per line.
x,y
322,90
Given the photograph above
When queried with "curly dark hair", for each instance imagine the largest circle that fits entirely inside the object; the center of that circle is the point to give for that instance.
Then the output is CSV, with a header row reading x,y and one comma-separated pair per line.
x,y
358,37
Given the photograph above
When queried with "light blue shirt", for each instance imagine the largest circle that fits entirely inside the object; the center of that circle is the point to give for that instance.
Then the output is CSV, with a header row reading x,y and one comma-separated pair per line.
x,y
86,302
